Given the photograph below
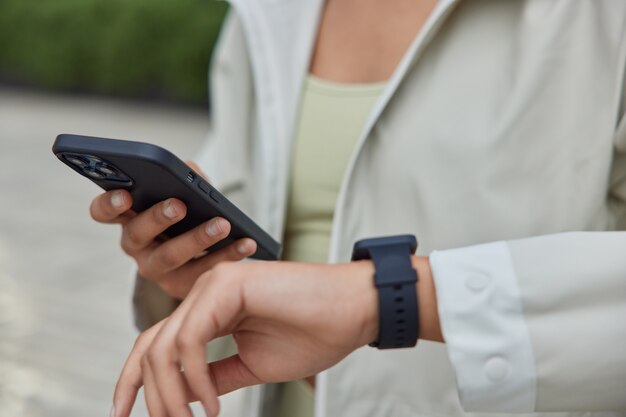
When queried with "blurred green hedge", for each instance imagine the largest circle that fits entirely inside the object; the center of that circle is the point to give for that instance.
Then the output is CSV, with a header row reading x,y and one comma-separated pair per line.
x,y
133,48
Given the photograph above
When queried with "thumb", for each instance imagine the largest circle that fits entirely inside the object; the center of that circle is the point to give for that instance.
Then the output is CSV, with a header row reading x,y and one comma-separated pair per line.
x,y
231,374
196,168
228,375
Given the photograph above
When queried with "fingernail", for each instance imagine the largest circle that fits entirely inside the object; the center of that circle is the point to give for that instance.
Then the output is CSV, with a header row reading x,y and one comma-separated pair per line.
x,y
215,227
243,247
117,200
112,413
170,210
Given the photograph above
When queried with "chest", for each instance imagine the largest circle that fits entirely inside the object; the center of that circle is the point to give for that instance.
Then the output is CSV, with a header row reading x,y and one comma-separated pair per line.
x,y
362,41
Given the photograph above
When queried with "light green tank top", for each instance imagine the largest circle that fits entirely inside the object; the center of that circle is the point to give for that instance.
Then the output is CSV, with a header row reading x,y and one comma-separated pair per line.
x,y
332,117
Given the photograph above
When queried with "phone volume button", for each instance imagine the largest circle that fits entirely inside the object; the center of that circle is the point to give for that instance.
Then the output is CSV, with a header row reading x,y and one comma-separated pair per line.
x,y
204,187
214,196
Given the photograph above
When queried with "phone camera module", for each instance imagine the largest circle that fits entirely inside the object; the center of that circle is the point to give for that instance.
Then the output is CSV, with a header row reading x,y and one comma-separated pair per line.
x,y
97,169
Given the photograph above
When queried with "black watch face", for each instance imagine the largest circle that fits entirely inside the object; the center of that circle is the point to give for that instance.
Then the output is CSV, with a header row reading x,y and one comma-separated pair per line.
x,y
362,247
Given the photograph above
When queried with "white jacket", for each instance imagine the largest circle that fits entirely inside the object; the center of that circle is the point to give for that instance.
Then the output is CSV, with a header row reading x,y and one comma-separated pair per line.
x,y
501,133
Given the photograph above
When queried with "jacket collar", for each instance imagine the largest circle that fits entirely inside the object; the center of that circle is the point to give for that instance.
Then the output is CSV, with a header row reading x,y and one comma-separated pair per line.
x,y
280,36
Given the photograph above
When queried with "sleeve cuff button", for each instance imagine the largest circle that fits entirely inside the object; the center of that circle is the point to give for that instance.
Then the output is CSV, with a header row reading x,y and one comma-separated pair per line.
x,y
476,282
497,369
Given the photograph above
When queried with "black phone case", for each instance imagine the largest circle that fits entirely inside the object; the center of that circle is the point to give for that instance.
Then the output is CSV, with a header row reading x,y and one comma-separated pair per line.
x,y
155,175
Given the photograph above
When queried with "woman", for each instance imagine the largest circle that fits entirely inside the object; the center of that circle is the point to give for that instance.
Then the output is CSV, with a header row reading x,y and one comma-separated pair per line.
x,y
492,127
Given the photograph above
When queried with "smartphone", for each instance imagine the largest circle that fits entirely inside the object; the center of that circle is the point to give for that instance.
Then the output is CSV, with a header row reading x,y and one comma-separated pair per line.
x,y
152,174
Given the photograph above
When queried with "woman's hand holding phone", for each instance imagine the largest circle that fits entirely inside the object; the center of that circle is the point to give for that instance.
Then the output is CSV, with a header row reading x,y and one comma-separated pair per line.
x,y
174,264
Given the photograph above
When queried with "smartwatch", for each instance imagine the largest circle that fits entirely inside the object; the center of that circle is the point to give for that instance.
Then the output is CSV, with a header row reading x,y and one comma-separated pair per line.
x,y
396,281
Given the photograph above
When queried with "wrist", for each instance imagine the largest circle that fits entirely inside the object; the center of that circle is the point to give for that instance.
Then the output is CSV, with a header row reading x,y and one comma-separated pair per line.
x,y
430,328
367,296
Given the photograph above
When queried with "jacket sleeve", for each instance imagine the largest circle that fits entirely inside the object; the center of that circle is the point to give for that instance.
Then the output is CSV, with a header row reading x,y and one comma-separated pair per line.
x,y
539,324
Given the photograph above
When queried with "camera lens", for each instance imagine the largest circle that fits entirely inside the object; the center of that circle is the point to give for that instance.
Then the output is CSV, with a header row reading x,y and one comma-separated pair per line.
x,y
75,160
95,174
106,170
93,159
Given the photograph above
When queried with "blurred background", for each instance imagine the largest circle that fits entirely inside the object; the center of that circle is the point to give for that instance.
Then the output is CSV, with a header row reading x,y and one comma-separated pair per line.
x,y
130,69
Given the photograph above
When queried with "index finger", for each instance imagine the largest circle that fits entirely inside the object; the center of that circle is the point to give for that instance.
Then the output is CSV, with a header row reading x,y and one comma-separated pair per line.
x,y
112,207
207,316
131,378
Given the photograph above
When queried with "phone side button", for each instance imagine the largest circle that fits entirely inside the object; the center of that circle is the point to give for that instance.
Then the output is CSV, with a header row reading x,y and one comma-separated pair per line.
x,y
214,196
204,186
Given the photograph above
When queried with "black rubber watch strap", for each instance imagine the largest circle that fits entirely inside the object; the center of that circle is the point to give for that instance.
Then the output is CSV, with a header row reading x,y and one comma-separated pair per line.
x,y
395,279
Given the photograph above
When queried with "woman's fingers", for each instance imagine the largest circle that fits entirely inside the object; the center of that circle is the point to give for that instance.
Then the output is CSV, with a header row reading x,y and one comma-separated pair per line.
x,y
131,379
141,231
151,394
112,207
200,325
163,361
179,283
236,251
231,374
137,370
212,308
191,353
198,376
181,249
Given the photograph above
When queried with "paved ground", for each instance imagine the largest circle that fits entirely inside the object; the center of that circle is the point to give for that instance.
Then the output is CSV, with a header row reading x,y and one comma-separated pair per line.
x,y
65,324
